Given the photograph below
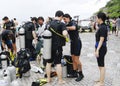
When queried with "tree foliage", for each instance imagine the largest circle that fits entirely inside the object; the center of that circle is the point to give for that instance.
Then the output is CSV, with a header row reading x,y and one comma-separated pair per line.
x,y
112,8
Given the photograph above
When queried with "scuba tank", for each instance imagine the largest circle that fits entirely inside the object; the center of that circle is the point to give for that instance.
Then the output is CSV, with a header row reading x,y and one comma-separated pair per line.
x,y
4,78
4,83
47,41
4,61
16,83
64,68
12,71
22,37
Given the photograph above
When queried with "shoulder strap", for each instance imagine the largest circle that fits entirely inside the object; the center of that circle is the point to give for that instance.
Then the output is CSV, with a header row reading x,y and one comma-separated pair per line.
x,y
66,38
56,33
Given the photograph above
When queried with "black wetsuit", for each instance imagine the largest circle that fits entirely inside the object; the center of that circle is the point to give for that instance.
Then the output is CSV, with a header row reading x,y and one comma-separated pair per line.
x,y
102,32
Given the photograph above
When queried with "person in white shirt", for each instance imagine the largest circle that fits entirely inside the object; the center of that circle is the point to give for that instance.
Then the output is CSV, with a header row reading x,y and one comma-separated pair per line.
x,y
39,33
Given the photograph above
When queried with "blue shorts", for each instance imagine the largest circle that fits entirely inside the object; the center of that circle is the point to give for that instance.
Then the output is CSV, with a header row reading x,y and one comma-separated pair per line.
x,y
9,44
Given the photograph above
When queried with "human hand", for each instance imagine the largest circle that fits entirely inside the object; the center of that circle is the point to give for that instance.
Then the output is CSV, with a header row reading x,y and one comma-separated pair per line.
x,y
97,53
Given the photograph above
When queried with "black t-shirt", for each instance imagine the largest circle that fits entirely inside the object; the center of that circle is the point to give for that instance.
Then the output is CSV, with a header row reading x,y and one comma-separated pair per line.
x,y
102,32
8,35
74,34
58,27
29,27
8,25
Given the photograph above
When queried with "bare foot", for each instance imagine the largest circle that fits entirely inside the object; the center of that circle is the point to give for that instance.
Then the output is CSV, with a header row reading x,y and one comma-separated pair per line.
x,y
99,84
97,81
61,82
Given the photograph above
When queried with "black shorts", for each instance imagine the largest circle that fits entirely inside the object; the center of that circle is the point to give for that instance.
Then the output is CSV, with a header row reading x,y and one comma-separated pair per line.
x,y
101,58
56,56
76,47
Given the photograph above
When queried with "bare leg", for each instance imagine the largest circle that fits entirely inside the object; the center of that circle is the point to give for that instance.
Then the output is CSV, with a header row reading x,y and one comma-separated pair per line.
x,y
48,71
74,63
117,32
102,77
102,74
59,73
15,48
79,64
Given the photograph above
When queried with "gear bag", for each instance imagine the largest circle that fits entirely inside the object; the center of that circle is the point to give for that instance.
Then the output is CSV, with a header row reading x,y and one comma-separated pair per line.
x,y
22,61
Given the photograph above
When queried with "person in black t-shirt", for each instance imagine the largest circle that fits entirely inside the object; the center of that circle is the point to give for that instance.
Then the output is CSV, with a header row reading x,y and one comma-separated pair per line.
x,y
30,35
8,25
56,57
76,46
100,46
8,39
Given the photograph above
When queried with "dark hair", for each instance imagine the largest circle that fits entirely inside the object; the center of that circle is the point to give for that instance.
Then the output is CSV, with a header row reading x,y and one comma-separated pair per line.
x,y
5,18
59,14
118,16
102,16
14,18
34,19
67,16
40,18
50,18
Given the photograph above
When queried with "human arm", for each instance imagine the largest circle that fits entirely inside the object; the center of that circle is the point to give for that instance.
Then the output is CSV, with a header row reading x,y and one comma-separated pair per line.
x,y
102,32
71,28
99,46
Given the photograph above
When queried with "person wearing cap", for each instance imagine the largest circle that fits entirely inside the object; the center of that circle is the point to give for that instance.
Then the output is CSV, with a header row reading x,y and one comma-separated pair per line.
x,y
76,46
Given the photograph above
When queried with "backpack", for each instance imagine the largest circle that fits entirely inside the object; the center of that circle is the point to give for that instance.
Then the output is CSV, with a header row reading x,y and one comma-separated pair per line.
x,y
22,61
69,64
28,30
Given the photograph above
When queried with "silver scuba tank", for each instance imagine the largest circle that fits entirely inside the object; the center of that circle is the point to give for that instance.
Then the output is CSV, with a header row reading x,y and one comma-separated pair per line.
x,y
22,37
16,83
12,71
47,37
64,68
6,76
3,61
1,74
4,83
